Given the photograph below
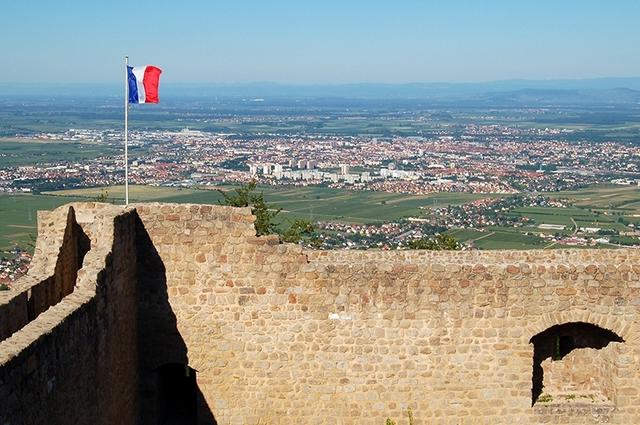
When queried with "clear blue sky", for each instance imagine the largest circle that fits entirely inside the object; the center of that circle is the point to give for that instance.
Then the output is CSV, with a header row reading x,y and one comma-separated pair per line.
x,y
319,41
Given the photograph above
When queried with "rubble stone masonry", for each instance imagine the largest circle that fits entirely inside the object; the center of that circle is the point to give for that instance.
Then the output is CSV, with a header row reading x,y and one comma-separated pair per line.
x,y
270,333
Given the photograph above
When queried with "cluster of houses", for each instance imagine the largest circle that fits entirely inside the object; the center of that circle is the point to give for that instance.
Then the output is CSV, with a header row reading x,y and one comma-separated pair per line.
x,y
13,264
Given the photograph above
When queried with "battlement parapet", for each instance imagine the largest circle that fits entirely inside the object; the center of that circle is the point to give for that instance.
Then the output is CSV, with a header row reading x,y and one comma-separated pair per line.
x,y
183,305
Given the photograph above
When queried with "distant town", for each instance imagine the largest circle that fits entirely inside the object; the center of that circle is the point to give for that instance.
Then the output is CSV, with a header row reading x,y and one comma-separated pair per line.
x,y
520,177
13,264
481,159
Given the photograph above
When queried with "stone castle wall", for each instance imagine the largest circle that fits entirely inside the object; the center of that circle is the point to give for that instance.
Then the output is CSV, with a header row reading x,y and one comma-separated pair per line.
x,y
582,373
73,359
59,255
279,335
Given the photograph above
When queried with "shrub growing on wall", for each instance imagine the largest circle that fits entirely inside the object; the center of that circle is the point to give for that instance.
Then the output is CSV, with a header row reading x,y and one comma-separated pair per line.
x,y
438,243
244,196
299,229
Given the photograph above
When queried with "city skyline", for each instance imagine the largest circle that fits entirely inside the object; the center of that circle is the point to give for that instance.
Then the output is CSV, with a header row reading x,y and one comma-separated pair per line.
x,y
332,43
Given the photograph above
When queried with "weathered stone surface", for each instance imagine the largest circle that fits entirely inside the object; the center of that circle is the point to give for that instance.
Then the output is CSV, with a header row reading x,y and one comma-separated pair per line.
x,y
280,335
77,343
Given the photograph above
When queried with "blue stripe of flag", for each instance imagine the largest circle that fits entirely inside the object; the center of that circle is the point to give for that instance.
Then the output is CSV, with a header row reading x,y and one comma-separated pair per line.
x,y
133,86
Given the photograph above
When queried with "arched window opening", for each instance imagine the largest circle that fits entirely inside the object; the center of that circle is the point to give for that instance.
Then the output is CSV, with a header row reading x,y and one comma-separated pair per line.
x,y
177,400
574,361
564,345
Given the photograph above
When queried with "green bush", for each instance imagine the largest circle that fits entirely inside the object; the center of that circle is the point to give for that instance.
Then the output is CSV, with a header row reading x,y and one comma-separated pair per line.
x,y
298,230
103,196
439,243
244,196
545,398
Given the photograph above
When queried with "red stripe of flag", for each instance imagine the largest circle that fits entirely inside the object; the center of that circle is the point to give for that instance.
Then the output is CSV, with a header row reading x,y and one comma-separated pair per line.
x,y
151,81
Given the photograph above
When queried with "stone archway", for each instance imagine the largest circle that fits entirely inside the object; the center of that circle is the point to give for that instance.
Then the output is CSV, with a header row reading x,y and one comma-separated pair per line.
x,y
616,324
574,359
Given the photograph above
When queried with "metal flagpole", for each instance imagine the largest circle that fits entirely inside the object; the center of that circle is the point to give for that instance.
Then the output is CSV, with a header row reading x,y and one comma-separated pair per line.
x,y
126,130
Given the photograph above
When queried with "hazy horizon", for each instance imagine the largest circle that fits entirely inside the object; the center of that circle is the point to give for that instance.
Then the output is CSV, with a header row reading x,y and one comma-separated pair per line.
x,y
363,82
597,87
332,42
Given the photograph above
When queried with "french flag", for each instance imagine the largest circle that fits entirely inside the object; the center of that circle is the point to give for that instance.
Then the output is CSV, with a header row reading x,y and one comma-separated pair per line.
x,y
143,83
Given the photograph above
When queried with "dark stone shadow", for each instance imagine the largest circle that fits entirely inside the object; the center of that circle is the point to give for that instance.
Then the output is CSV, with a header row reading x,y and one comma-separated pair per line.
x,y
168,389
75,245
559,340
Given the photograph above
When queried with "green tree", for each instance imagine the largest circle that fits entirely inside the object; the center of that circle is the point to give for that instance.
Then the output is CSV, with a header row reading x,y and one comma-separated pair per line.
x,y
245,196
298,230
103,196
438,243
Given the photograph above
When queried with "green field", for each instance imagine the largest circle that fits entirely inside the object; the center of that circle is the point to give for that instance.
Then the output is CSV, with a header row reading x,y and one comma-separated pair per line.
x,y
498,238
115,194
601,206
567,217
605,204
604,197
19,152
549,215
333,120
313,203
18,212
18,217
505,239
463,235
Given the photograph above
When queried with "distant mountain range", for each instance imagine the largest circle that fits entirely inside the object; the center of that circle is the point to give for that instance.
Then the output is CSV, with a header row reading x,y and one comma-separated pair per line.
x,y
563,96
507,92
